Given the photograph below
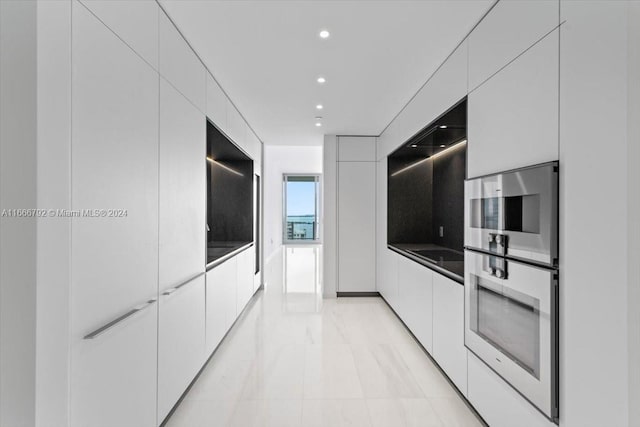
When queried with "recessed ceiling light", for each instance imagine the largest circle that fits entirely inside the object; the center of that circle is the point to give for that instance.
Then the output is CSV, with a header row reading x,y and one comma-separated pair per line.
x,y
324,34
318,124
443,127
442,146
319,107
413,145
321,80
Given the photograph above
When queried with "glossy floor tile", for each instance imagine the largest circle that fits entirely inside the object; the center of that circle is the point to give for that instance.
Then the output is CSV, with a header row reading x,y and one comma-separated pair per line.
x,y
296,359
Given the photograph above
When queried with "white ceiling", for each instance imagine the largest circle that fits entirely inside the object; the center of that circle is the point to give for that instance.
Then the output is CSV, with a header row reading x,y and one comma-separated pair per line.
x,y
267,56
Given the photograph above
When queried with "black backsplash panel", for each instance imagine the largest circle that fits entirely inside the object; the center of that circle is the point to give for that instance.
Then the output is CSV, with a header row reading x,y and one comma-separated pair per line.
x,y
426,184
410,217
448,198
229,190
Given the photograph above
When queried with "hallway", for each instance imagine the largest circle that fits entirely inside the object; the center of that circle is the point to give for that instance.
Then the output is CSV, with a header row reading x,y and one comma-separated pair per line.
x,y
295,359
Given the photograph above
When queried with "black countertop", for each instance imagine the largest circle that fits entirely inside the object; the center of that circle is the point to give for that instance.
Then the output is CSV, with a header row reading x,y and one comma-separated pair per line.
x,y
448,262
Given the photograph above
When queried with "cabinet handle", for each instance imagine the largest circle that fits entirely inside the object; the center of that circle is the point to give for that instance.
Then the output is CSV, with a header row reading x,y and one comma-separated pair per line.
x,y
175,288
138,308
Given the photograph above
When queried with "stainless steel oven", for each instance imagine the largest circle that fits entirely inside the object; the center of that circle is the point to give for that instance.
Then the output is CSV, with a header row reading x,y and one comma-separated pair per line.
x,y
511,279
515,214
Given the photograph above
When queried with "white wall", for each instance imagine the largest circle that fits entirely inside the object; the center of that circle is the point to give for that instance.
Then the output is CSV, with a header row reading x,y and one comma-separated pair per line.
x,y
279,160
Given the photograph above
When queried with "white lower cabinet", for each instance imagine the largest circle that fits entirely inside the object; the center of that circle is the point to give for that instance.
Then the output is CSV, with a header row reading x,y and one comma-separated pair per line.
x,y
415,300
387,276
181,341
448,329
498,403
246,268
114,375
221,302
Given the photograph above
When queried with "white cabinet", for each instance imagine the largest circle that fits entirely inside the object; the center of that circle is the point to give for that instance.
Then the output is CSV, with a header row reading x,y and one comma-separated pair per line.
x,y
509,29
498,403
387,277
221,301
114,375
356,148
236,127
182,188
448,329
356,226
513,117
181,341
443,90
216,104
180,66
115,257
245,277
415,300
135,22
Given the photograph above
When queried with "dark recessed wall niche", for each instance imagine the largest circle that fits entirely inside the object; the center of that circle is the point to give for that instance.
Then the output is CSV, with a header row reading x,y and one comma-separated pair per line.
x,y
426,184
229,195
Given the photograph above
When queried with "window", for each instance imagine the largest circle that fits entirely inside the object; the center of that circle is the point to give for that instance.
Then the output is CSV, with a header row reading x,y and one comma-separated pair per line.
x,y
301,208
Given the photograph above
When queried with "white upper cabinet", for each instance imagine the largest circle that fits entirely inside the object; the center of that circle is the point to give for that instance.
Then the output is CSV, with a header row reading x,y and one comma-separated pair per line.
x,y
415,299
216,104
115,254
181,342
180,66
448,329
357,148
182,188
356,222
443,90
513,117
114,166
509,29
236,127
135,22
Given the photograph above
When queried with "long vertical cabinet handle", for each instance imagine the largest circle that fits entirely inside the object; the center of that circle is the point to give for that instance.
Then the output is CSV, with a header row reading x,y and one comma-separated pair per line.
x,y
101,330
186,282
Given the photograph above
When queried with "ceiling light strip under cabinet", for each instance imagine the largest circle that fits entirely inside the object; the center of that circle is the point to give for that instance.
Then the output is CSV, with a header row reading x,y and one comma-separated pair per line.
x,y
419,162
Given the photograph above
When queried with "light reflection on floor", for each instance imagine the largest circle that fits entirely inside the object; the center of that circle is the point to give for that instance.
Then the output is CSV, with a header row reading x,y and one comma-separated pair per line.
x,y
296,359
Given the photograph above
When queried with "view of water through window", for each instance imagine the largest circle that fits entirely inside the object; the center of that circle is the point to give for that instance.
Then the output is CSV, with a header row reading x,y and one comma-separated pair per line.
x,y
301,207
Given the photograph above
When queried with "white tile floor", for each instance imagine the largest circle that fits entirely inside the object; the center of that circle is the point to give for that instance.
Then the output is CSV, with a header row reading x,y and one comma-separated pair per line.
x,y
294,359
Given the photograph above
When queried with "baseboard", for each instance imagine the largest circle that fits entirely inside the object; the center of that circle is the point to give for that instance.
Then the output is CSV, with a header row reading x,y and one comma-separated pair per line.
x,y
357,294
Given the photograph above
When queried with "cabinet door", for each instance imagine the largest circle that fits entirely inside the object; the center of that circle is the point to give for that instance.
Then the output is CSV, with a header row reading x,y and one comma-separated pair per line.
x,y
415,300
180,65
357,148
182,188
356,225
245,277
216,104
114,257
509,29
236,127
181,341
448,329
135,22
221,302
513,117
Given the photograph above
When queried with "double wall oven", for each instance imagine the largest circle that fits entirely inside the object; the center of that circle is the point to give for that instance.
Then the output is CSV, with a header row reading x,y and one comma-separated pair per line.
x,y
511,279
